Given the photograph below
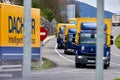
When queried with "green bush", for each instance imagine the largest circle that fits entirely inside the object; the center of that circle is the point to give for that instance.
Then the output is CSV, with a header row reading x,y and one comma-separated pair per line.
x,y
45,12
48,14
117,79
117,41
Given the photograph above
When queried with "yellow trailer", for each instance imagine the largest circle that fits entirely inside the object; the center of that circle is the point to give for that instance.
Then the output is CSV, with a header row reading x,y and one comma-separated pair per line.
x,y
12,31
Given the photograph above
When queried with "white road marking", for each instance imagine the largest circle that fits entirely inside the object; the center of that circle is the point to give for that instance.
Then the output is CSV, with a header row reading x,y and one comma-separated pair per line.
x,y
114,63
62,71
62,55
116,55
115,29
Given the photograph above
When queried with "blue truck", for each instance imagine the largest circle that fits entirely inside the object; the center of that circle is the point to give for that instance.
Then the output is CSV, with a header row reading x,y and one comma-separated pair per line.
x,y
69,36
59,35
85,52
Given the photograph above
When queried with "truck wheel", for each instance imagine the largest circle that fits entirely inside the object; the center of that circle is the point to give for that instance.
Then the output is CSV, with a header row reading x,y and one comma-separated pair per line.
x,y
58,46
105,66
82,65
65,52
108,64
77,65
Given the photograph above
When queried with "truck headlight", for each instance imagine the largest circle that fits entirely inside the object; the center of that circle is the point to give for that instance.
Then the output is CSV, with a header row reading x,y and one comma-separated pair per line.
x,y
80,57
107,53
82,47
104,58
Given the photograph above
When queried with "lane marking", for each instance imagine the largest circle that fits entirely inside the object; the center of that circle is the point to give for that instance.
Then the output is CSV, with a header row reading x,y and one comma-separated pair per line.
x,y
115,63
62,55
116,55
63,71
114,29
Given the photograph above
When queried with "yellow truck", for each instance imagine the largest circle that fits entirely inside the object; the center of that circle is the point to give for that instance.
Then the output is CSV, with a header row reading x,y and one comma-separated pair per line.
x,y
59,35
69,36
60,27
12,31
86,42
72,21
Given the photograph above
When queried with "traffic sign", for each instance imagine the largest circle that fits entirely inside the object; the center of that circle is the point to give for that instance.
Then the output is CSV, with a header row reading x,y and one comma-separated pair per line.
x,y
116,20
43,33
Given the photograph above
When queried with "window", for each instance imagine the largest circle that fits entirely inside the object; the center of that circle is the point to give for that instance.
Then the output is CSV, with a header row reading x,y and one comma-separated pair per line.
x,y
88,38
71,37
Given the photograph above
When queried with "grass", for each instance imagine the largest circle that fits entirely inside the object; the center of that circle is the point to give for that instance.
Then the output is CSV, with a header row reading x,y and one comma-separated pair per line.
x,y
46,64
116,79
117,41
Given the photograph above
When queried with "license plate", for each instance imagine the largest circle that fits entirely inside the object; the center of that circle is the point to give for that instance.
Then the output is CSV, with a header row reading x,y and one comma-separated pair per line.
x,y
92,61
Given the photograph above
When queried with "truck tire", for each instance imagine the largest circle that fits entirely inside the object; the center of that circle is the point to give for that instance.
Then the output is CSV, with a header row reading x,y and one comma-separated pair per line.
x,y
105,66
108,64
80,65
65,52
77,65
58,46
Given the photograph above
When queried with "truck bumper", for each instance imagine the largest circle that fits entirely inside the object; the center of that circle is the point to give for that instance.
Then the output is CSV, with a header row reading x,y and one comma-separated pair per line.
x,y
90,60
60,46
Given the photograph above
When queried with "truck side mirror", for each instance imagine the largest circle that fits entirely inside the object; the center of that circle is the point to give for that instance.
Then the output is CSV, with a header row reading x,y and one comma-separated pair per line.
x,y
111,42
111,37
66,37
73,40
56,35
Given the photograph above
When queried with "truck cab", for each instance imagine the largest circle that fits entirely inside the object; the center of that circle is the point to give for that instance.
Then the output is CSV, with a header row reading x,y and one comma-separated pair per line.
x,y
59,35
69,37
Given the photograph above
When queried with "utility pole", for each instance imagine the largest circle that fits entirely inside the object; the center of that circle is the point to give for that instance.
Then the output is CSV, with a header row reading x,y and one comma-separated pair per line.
x,y
100,39
27,41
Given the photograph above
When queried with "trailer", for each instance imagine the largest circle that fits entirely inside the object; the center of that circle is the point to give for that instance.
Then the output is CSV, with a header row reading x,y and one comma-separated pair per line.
x,y
12,33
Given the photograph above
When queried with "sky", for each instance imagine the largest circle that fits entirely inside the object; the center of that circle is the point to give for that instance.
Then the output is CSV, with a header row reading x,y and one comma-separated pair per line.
x,y
109,5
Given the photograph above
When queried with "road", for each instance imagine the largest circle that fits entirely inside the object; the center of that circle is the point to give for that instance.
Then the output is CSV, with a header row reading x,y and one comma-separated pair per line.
x,y
65,67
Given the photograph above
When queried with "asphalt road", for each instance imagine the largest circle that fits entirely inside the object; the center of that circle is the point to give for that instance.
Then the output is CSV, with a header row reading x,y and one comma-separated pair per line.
x,y
66,70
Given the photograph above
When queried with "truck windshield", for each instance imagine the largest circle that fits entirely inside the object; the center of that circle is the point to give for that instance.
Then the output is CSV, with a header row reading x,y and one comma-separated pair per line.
x,y
60,35
87,38
71,37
